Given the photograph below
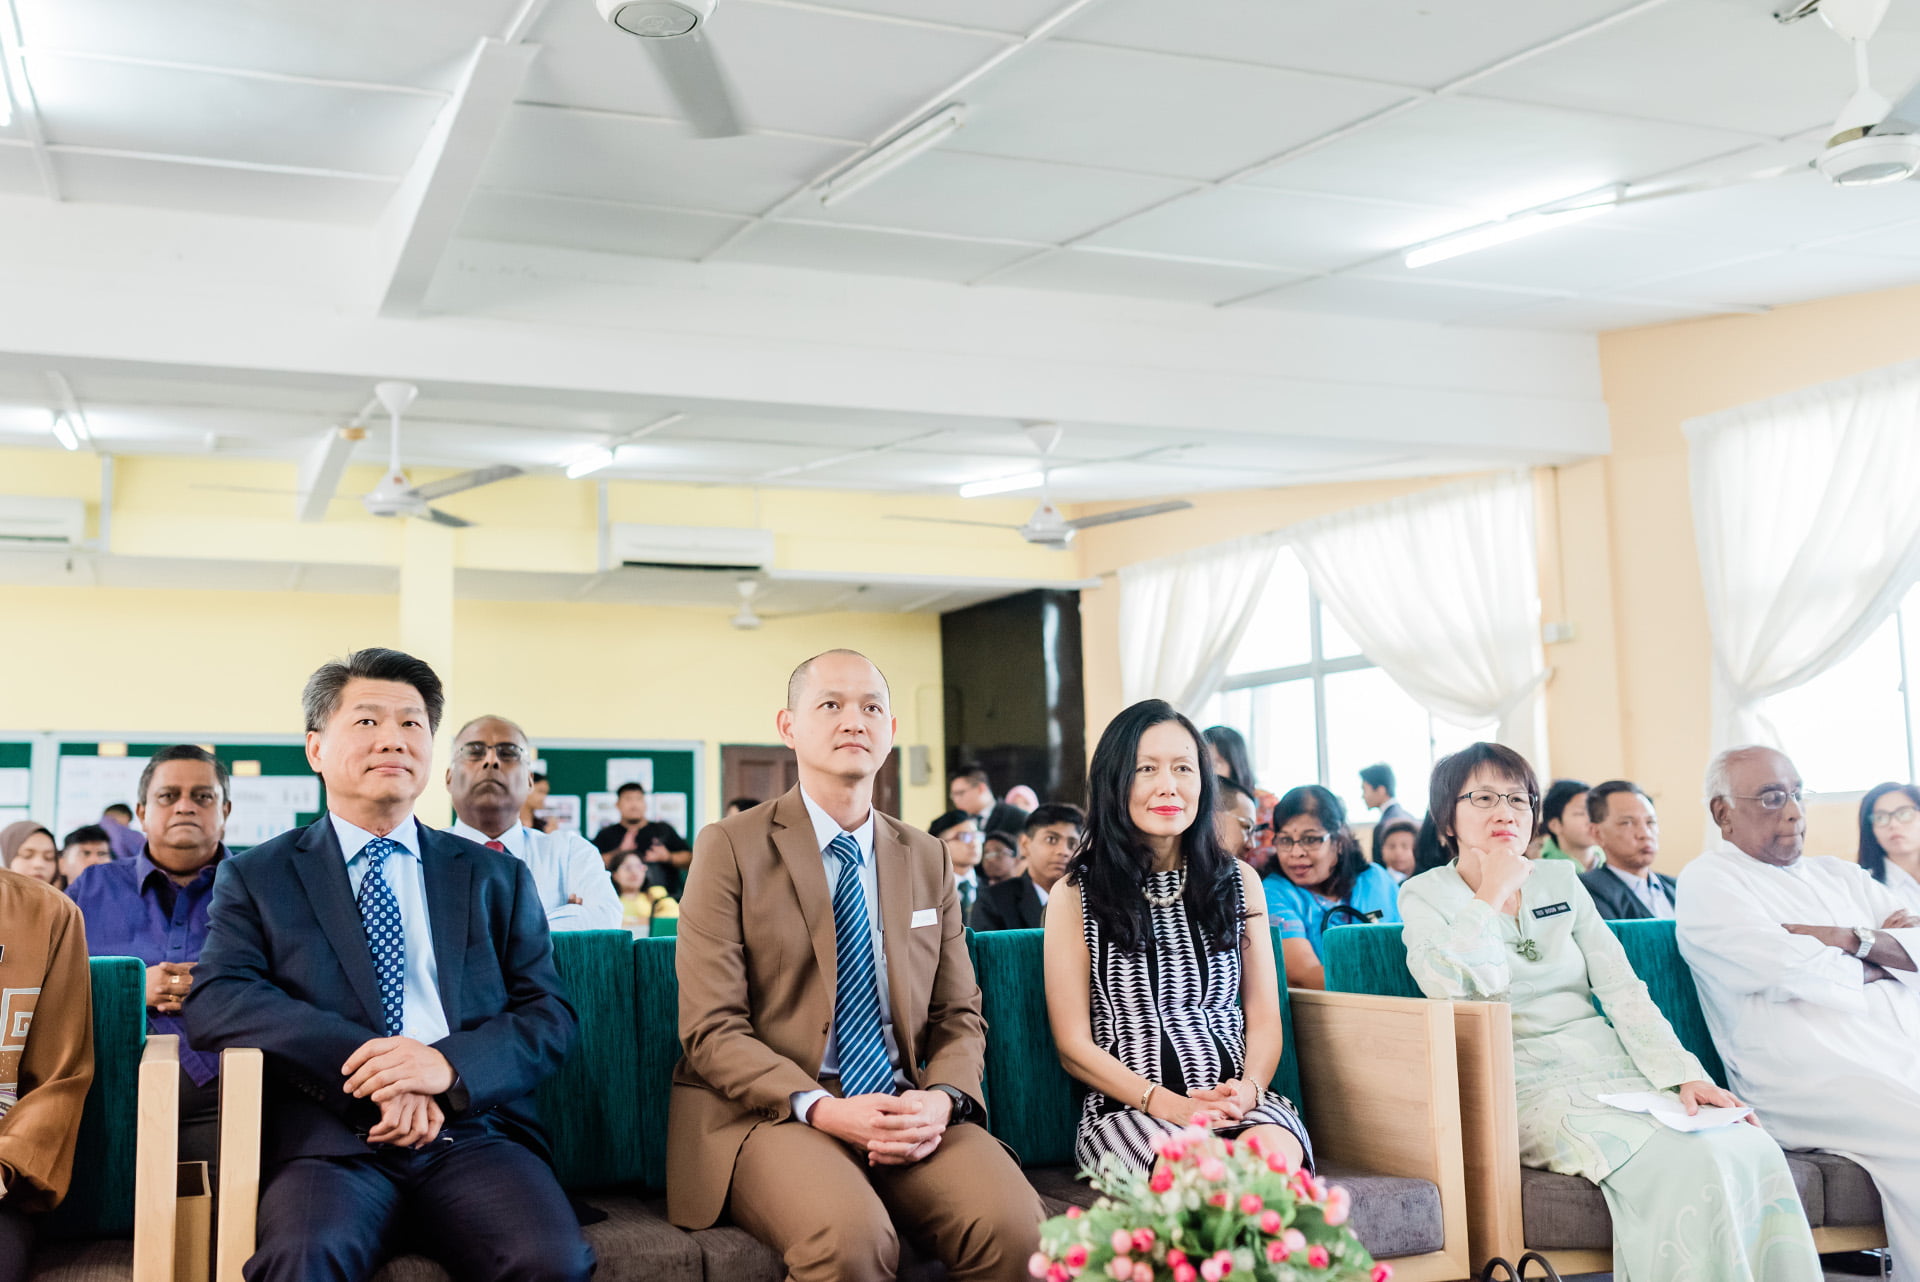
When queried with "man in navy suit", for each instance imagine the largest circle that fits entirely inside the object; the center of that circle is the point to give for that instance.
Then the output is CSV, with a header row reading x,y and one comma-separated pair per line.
x,y
400,981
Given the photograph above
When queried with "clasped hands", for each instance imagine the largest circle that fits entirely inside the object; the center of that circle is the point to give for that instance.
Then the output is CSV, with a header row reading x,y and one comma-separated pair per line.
x,y
402,1076
1843,938
1230,1101
892,1130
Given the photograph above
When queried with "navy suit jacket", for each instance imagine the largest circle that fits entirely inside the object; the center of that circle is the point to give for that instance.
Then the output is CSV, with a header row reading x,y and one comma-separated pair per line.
x,y
1615,901
286,969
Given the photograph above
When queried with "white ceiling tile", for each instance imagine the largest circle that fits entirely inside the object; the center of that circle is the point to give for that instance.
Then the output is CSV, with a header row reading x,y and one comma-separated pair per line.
x,y
946,191
1286,229
613,158
1496,157
1785,278
791,69
420,42
1587,257
1168,115
19,174
866,250
905,470
1415,42
1722,63
1402,299
221,117
747,429
606,226
1778,212
1092,272
1078,443
1588,315
1901,240
666,459
208,189
1018,16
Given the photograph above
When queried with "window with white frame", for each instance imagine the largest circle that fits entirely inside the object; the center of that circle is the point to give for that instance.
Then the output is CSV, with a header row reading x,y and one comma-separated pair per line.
x,y
1315,710
1853,726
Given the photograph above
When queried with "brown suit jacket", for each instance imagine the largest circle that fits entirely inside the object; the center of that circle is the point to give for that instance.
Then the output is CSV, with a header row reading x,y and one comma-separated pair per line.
x,y
756,963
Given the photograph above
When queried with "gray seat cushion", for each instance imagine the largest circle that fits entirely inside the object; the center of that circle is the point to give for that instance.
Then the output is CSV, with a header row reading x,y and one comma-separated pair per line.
x,y
633,1244
1566,1212
1851,1197
109,1260
1392,1216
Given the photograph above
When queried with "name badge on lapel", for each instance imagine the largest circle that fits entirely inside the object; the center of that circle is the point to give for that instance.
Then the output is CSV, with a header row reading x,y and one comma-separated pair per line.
x,y
925,917
1553,910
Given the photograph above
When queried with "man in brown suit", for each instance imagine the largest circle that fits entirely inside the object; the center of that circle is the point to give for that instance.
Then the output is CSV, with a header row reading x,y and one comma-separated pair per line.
x,y
831,1025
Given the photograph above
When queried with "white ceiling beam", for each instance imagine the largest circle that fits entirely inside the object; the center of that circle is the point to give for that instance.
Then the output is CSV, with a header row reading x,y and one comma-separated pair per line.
x,y
18,86
419,222
320,472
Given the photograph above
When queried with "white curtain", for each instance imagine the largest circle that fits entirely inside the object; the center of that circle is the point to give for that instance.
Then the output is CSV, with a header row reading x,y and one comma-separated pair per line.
x,y
1441,590
1805,513
1182,616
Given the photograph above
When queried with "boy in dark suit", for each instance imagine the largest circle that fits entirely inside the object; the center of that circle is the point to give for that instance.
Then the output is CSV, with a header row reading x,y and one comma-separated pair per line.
x,y
400,981
1020,903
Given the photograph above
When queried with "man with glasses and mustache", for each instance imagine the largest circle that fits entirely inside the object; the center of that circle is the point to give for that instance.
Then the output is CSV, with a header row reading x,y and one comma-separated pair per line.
x,y
1806,970
489,782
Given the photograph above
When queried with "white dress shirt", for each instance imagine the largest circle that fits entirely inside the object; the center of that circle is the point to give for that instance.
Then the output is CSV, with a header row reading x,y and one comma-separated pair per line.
x,y
825,829
1647,890
421,1016
563,864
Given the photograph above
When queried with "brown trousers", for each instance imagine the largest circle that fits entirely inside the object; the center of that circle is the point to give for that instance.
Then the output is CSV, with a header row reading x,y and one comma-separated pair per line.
x,y
831,1216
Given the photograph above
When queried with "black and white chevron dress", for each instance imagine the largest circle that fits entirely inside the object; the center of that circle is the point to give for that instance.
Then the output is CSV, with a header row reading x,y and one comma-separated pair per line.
x,y
1171,1013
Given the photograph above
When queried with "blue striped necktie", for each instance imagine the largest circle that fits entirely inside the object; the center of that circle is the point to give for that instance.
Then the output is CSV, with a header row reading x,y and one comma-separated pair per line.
x,y
386,936
864,1067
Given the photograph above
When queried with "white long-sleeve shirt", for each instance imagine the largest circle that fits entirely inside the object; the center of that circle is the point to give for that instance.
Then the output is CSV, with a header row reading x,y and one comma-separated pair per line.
x,y
563,864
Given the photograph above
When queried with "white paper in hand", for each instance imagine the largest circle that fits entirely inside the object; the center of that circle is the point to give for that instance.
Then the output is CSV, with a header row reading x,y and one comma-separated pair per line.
x,y
1667,1109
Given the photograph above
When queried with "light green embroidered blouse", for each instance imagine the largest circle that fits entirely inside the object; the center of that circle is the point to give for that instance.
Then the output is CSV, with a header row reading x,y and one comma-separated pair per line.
x,y
1564,1051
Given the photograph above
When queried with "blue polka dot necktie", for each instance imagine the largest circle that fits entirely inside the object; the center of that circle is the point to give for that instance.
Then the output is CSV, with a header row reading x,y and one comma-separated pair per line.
x,y
864,1067
386,938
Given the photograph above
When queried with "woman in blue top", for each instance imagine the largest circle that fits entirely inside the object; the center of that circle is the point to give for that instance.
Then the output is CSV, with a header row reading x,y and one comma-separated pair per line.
x,y
1321,879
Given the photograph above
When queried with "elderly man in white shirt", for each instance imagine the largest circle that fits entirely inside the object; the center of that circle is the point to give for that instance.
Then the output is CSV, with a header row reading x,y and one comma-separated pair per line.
x,y
489,780
1807,972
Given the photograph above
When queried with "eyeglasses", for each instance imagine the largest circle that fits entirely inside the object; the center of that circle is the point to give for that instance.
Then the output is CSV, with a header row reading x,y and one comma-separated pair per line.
x,y
1774,798
1904,815
507,752
1487,799
1307,844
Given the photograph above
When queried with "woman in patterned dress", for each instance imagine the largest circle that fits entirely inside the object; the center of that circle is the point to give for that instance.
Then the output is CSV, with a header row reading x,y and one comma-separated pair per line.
x,y
1493,925
1161,985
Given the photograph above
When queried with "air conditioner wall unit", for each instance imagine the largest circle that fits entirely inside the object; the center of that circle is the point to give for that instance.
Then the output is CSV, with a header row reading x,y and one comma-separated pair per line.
x,y
691,547
28,518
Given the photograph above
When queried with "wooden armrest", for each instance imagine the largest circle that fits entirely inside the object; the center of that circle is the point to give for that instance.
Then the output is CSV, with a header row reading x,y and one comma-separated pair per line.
x,y
1383,1097
1490,1129
237,1205
156,1156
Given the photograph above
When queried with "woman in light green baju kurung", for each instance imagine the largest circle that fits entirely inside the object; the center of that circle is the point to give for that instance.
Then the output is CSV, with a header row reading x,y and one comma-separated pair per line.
x,y
1708,1206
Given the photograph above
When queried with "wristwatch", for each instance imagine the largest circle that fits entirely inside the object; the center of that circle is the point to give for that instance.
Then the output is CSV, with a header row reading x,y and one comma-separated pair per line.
x,y
1866,938
962,1106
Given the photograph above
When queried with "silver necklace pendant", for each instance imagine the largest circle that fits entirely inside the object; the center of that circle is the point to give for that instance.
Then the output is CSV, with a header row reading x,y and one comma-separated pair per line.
x,y
1172,897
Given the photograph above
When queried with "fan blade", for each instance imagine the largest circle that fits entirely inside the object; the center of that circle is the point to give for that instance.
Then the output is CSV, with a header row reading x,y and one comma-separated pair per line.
x,y
1128,514
460,481
447,519
947,520
1905,116
688,66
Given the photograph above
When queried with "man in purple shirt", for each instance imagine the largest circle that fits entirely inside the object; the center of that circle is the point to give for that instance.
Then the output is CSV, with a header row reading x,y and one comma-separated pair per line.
x,y
154,907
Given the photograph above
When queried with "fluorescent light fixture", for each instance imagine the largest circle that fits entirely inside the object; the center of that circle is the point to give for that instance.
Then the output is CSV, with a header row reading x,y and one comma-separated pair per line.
x,y
894,152
1001,485
63,432
1517,227
588,462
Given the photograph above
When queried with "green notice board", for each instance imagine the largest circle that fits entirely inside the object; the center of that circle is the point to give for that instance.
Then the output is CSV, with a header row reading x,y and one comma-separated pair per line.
x,y
583,773
16,781
273,789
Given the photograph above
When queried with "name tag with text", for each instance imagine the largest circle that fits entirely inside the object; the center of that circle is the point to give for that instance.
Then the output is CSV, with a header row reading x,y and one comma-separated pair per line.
x,y
1553,910
925,917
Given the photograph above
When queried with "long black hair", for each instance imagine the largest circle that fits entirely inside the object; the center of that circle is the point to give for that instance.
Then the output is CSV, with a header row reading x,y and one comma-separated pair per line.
x,y
1873,855
1113,860
1232,747
1348,862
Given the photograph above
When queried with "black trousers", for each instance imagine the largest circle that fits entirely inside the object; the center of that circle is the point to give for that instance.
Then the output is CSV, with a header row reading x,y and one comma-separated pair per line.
x,y
16,1244
482,1204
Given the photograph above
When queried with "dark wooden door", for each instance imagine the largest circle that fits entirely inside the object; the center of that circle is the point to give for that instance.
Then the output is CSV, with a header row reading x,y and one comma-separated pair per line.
x,y
763,771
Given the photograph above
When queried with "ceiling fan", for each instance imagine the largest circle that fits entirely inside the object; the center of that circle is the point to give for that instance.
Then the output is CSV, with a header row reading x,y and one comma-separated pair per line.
x,y
1046,527
674,33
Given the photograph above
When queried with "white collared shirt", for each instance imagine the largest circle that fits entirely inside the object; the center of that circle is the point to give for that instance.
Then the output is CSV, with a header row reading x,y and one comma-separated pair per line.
x,y
563,864
825,829
421,1017
1647,890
